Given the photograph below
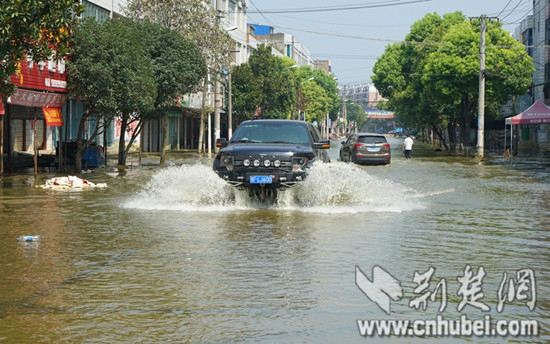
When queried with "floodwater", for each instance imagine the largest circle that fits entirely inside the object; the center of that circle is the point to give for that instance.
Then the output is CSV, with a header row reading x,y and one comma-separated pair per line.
x,y
173,255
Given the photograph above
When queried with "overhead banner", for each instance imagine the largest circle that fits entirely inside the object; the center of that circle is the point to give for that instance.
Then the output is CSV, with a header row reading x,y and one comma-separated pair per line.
x,y
37,99
53,116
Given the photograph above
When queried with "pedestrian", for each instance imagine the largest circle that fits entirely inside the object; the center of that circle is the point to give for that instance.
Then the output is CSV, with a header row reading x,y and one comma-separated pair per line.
x,y
408,146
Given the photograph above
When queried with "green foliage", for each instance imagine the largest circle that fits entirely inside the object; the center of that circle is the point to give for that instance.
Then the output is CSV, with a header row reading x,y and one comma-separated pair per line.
x,y
433,78
280,88
264,81
177,64
317,103
193,19
355,112
110,69
36,28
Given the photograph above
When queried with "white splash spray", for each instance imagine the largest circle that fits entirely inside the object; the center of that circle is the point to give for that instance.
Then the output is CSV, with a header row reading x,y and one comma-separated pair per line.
x,y
329,188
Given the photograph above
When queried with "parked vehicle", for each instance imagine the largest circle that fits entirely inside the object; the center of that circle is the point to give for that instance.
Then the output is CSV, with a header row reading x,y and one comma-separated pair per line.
x,y
366,148
264,156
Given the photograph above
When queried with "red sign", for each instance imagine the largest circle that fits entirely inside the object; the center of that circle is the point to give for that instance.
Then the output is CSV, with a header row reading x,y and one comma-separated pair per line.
x,y
37,99
380,116
2,110
53,116
47,75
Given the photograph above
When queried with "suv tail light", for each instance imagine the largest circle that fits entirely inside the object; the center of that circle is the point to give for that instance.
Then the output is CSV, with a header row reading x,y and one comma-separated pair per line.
x,y
357,145
387,145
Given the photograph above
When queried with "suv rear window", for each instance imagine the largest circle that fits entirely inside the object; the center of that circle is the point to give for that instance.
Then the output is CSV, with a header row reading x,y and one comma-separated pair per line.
x,y
371,139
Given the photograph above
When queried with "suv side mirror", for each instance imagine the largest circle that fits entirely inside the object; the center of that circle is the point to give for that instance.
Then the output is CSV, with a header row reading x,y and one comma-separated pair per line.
x,y
221,142
322,144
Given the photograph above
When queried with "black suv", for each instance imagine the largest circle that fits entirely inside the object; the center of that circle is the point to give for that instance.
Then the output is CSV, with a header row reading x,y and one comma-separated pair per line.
x,y
266,155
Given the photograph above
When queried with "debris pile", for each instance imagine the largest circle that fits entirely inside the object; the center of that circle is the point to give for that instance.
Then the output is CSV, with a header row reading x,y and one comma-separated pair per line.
x,y
71,182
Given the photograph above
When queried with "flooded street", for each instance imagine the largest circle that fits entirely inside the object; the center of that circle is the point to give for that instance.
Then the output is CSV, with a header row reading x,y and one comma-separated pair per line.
x,y
174,255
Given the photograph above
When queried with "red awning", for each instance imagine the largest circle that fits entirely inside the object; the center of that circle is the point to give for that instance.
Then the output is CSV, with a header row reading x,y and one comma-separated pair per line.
x,y
538,113
53,116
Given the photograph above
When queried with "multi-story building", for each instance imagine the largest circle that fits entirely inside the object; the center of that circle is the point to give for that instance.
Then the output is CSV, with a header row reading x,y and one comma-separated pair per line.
x,y
533,32
365,95
284,43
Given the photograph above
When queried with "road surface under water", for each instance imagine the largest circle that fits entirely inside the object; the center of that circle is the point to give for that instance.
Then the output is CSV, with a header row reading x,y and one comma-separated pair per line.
x,y
175,255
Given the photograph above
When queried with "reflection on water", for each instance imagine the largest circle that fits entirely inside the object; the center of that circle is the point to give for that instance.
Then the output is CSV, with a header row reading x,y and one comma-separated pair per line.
x,y
176,255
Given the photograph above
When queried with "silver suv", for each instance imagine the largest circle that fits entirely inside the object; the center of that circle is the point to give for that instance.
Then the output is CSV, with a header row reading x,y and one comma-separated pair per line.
x,y
366,148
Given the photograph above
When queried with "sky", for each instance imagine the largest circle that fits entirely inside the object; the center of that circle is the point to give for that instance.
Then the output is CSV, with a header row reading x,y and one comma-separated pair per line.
x,y
352,34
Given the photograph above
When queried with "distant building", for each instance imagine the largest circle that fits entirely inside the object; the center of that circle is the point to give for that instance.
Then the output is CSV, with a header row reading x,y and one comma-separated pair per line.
x,y
323,65
286,44
365,95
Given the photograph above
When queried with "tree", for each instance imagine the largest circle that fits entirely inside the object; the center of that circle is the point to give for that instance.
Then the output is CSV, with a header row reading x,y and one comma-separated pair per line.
x,y
315,102
452,72
178,68
356,113
35,28
432,80
303,74
196,21
110,71
265,81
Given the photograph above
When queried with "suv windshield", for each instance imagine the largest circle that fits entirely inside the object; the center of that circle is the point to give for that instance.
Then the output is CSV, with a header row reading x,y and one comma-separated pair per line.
x,y
261,132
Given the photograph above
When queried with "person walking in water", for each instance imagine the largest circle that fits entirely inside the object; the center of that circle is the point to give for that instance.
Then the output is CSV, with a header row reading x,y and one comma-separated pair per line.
x,y
408,146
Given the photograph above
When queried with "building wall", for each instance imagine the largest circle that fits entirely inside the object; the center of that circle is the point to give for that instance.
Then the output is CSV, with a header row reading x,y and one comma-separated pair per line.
x,y
540,51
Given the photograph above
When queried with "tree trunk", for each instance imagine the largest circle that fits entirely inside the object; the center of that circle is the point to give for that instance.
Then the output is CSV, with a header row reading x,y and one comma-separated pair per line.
x,y
122,141
452,136
106,125
164,141
441,138
1,145
35,146
203,116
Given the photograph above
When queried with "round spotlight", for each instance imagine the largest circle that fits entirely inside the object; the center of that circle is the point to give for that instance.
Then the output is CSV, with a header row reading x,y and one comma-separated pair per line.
x,y
246,162
256,163
267,163
277,163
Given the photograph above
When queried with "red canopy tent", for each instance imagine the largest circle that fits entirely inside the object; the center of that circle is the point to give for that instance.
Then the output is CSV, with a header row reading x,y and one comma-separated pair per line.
x,y
538,113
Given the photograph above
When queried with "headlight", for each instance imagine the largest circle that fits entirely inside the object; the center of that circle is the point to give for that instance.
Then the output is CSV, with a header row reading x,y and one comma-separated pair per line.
x,y
298,164
246,162
277,163
256,163
267,163
227,162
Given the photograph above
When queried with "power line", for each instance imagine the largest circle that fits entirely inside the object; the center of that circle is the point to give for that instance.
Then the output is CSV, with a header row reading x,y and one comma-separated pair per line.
x,y
338,8
512,11
498,15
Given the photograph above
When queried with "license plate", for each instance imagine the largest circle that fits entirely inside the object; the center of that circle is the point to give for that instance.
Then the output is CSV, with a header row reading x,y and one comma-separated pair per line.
x,y
373,149
261,180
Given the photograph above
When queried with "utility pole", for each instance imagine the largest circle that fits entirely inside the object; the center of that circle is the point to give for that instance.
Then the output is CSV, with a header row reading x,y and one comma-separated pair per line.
x,y
217,88
229,106
481,101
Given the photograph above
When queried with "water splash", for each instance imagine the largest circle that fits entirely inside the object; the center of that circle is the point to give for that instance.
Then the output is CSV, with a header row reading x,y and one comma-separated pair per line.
x,y
347,188
329,188
185,188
